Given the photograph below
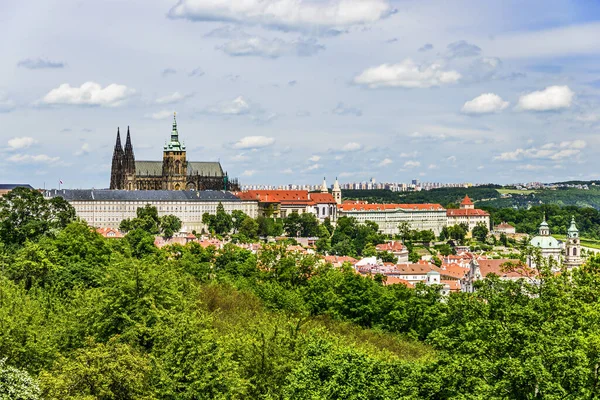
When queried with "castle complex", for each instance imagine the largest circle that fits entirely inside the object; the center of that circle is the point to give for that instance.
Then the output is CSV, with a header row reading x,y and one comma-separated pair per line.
x,y
174,172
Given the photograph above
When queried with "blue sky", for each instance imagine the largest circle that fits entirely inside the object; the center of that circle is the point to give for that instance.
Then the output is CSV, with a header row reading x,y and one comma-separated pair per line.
x,y
289,91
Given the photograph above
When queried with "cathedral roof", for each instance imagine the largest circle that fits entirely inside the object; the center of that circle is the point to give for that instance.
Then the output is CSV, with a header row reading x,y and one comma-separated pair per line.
x,y
142,195
204,168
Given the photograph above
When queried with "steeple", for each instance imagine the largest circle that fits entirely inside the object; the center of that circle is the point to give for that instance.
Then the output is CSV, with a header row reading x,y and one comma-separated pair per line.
x,y
337,192
116,171
324,186
128,158
544,229
573,232
174,144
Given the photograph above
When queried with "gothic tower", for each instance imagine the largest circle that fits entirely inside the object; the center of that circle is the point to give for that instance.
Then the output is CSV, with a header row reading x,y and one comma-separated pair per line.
x,y
324,186
128,164
116,172
337,192
573,246
174,168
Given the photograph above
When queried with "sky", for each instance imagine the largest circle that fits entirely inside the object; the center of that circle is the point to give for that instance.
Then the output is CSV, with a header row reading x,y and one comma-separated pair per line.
x,y
290,91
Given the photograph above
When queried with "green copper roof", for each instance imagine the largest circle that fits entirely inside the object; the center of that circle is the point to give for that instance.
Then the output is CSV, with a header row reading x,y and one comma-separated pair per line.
x,y
573,231
174,144
545,242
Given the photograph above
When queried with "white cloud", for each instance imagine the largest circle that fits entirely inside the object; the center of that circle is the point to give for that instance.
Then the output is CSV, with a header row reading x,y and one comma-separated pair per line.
x,y
6,103
287,171
163,114
24,142
484,104
551,98
385,161
275,48
249,172
313,167
316,17
172,98
352,146
432,166
90,93
529,167
253,142
463,49
412,164
237,106
588,118
240,158
412,154
314,158
40,63
549,151
342,109
406,74
32,159
85,149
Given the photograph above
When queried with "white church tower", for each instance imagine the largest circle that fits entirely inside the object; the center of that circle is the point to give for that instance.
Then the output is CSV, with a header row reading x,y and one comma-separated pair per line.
x,y
573,246
337,192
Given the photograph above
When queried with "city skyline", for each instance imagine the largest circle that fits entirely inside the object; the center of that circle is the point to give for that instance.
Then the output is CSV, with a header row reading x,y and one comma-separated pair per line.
x,y
399,90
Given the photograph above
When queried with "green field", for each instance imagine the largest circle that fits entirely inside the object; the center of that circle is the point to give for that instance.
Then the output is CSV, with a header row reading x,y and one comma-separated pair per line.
x,y
515,191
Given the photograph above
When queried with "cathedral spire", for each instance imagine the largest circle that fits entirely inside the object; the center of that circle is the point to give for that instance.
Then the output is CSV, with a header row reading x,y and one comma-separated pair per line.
x,y
128,158
118,146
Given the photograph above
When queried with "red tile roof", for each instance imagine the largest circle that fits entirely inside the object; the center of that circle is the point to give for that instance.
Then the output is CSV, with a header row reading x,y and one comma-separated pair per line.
x,y
466,201
392,280
382,207
286,197
393,246
467,213
499,268
322,198
504,225
110,232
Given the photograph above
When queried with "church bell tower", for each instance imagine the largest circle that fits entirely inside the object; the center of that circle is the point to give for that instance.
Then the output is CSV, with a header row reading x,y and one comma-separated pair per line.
x,y
573,246
174,168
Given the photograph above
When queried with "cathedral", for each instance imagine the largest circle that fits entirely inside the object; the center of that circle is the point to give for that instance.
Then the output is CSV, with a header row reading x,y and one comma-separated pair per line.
x,y
174,172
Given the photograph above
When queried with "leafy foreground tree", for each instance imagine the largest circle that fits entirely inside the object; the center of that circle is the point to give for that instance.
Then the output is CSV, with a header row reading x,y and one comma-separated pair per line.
x,y
16,384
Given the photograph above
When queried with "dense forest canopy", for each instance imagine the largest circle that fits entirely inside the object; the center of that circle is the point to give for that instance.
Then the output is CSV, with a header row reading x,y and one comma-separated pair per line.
x,y
82,316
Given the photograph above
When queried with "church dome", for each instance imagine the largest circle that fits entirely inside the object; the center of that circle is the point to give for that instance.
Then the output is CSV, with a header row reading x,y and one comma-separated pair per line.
x,y
545,242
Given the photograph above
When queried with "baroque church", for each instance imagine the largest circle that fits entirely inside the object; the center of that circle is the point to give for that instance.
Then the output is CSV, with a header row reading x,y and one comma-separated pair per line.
x,y
174,172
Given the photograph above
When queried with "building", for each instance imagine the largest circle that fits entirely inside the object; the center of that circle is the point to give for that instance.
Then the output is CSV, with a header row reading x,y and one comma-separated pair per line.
x,y
505,269
504,228
174,172
550,247
573,246
7,187
468,214
396,248
107,208
281,203
419,217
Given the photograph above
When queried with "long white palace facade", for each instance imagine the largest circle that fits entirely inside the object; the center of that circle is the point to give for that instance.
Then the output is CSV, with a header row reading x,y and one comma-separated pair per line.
x,y
107,208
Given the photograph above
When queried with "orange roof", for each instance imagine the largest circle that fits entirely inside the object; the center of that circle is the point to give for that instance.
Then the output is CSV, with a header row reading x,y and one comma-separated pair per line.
x,y
497,267
454,285
278,196
393,246
383,207
465,212
454,270
340,259
466,201
504,225
322,198
392,280
110,232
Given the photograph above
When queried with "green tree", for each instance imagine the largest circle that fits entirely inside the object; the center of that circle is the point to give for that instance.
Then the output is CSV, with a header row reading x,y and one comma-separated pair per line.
x,y
100,371
249,228
25,214
292,225
16,384
480,232
169,224
238,217
309,225
387,256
